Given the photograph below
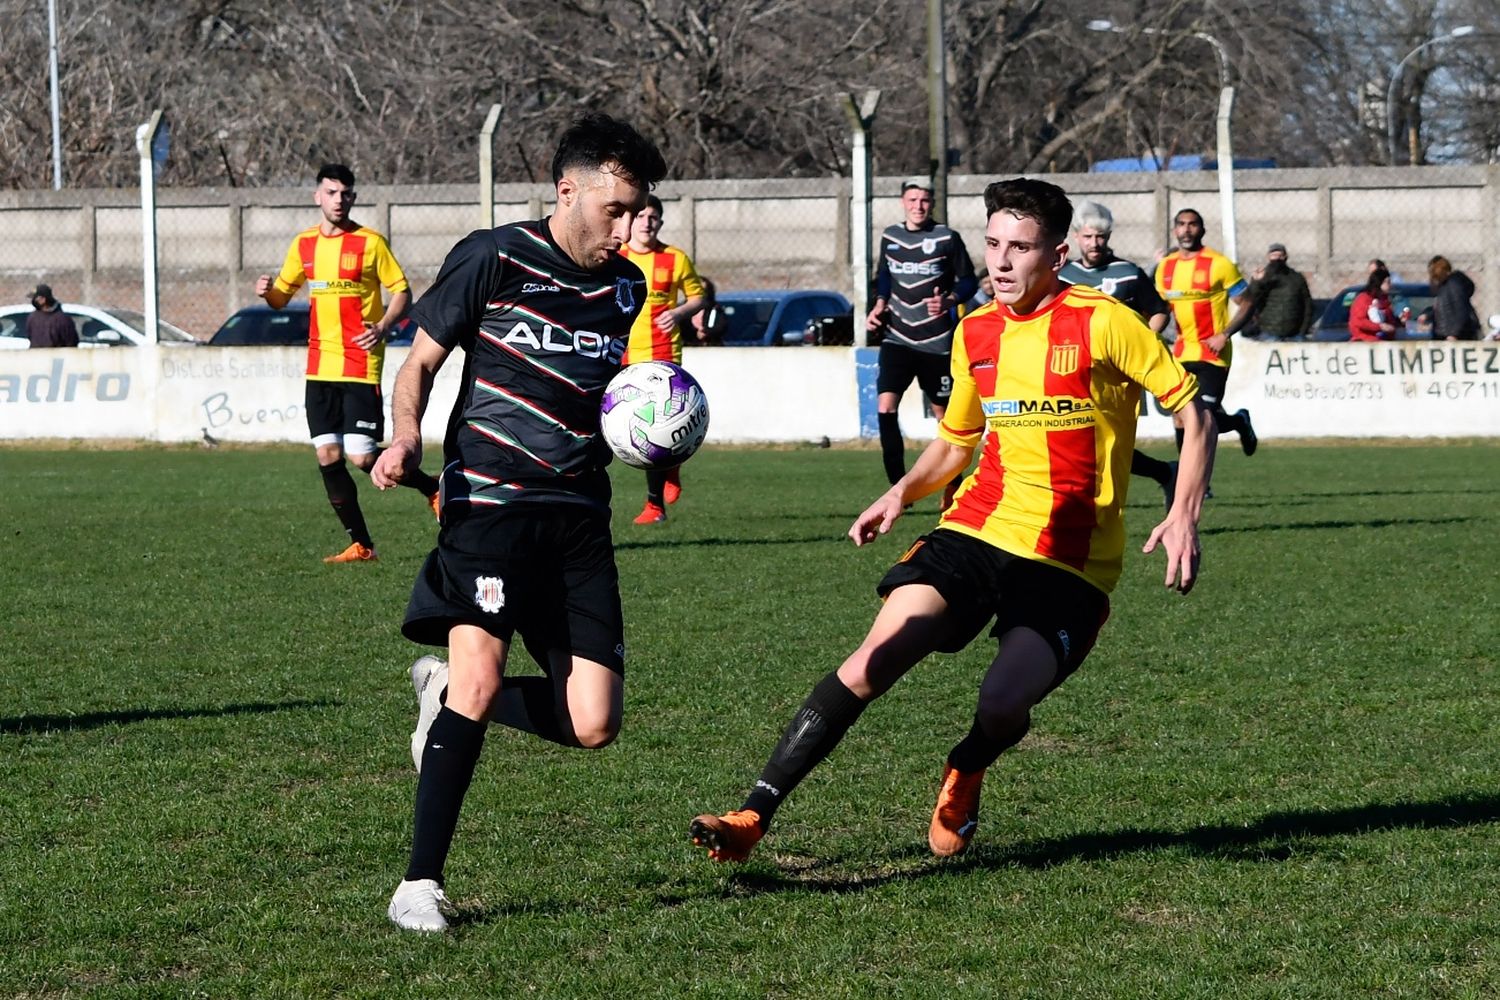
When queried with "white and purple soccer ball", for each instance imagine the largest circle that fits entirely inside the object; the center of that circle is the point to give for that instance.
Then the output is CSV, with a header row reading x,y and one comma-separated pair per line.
x,y
654,415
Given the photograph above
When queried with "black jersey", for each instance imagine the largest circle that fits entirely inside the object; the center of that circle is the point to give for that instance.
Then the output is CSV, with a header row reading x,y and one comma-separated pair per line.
x,y
1120,279
542,337
916,265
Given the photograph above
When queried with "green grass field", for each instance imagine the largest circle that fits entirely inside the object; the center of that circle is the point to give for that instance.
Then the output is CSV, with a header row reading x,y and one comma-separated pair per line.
x,y
1283,785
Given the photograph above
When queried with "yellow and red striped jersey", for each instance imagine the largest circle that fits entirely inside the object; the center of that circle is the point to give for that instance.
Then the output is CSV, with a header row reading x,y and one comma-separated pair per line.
x,y
1054,396
1199,289
344,274
667,272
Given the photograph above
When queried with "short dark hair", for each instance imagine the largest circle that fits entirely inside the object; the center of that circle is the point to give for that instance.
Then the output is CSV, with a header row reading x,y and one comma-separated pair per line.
x,y
336,172
652,201
596,139
1033,199
1188,211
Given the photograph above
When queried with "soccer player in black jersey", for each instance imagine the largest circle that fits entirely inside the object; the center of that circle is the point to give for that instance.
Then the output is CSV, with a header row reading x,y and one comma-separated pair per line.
x,y
541,310
1098,267
924,273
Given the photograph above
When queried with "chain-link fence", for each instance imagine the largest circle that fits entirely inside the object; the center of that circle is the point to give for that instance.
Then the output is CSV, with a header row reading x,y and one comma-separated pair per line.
x,y
747,234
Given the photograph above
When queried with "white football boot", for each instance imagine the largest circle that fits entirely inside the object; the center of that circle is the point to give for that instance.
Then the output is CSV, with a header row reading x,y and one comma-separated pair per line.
x,y
429,676
419,906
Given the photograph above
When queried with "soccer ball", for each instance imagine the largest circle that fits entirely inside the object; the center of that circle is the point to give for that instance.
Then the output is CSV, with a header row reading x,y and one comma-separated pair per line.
x,y
654,415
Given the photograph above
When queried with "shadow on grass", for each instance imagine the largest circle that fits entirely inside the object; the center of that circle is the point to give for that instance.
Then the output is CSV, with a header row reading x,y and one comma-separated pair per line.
x,y
1374,522
1272,838
26,724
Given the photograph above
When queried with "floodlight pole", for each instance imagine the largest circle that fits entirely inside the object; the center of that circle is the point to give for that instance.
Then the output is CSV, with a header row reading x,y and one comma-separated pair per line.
x,y
937,108
1224,144
1225,149
1390,94
56,102
487,168
145,138
861,117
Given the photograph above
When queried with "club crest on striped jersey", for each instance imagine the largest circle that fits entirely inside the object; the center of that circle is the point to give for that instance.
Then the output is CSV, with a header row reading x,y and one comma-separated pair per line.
x,y
348,262
625,295
489,593
1062,359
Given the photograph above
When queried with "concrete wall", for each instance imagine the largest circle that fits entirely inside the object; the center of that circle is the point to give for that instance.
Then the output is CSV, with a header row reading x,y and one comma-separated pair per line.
x,y
744,233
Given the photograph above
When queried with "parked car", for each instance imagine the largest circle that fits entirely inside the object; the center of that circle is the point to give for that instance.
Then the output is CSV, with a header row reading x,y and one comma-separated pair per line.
x,y
1333,325
260,325
97,327
777,318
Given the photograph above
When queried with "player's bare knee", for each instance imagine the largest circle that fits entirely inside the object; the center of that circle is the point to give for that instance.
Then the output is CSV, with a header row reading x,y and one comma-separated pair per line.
x,y
364,461
472,697
597,736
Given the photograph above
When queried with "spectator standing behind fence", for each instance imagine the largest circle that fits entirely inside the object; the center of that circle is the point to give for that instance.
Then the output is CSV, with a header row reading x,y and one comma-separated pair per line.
x,y
1280,297
344,266
924,273
1199,284
711,322
1098,267
48,325
1453,315
657,333
1371,316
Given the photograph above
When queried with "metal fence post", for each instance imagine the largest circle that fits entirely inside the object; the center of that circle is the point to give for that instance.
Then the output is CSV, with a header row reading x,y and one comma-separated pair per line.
x,y
145,138
487,168
861,216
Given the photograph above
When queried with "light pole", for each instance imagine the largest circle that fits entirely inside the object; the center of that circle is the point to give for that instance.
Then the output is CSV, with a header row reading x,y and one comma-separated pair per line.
x,y
52,65
1390,94
1224,151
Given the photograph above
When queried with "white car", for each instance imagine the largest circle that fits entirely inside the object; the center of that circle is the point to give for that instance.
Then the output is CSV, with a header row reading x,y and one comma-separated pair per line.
x,y
96,327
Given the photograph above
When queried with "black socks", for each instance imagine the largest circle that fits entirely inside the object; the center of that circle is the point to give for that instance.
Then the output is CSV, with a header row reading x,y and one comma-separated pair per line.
x,y
1142,464
345,500
813,733
980,749
656,485
453,745
892,447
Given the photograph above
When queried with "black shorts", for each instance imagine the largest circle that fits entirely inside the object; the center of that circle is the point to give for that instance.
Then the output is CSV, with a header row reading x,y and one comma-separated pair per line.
x,y
1211,382
546,571
981,582
899,365
344,408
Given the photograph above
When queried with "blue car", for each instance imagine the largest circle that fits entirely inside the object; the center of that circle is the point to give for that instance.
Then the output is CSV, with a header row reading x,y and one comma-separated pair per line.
x,y
1414,297
781,318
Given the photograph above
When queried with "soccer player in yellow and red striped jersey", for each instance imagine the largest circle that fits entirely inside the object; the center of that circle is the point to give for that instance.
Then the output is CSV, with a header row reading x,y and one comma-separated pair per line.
x,y
657,332
1200,284
345,266
1047,379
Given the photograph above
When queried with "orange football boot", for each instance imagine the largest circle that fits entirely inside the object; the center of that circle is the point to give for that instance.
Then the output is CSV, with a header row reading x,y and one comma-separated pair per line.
x,y
650,514
730,837
354,553
956,816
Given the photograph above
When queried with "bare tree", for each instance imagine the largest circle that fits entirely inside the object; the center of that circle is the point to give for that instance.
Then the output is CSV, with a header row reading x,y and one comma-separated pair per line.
x,y
729,88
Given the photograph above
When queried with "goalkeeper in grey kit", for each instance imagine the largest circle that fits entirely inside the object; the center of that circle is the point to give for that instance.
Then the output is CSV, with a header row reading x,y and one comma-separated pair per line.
x,y
541,310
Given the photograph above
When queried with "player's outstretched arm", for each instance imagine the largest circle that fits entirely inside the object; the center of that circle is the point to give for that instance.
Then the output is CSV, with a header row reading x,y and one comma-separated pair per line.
x,y
940,462
1178,534
408,403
